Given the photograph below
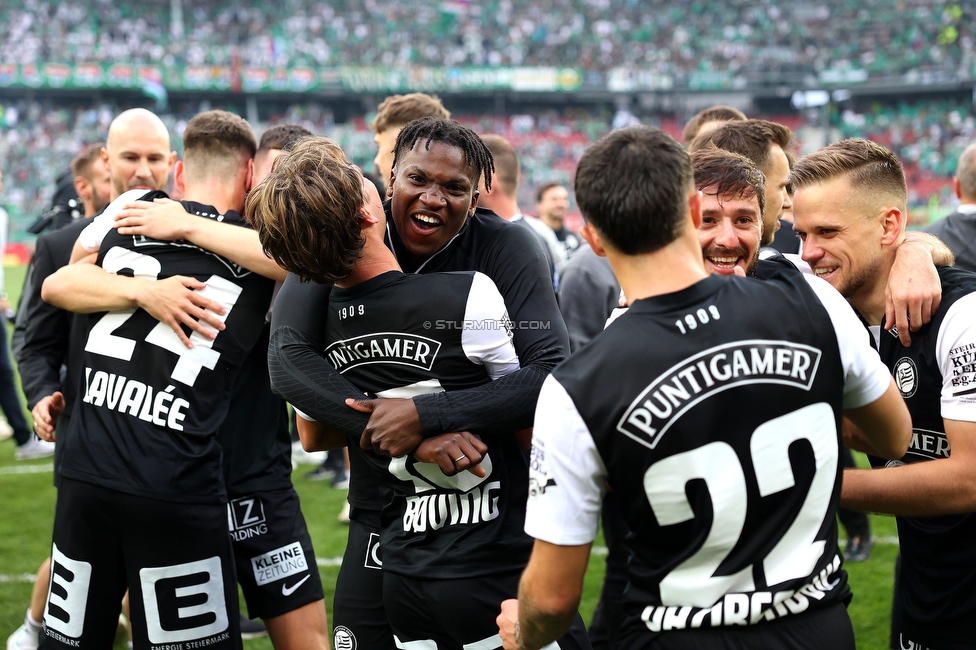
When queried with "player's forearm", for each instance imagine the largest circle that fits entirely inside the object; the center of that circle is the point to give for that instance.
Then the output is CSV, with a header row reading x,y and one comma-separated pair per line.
x,y
240,245
940,253
86,288
506,404
926,489
538,627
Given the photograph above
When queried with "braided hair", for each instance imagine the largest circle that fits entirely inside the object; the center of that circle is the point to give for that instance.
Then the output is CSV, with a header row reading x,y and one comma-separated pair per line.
x,y
449,132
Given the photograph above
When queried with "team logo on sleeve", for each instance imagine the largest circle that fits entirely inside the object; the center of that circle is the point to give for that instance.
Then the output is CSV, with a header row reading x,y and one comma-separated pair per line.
x,y
906,377
539,478
384,347
719,368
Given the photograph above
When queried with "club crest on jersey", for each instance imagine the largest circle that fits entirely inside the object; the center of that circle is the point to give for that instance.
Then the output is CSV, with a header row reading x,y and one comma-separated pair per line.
x,y
906,376
384,347
717,369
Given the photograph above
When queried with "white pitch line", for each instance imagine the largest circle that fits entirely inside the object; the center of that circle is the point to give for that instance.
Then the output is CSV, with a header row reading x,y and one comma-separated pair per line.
x,y
27,469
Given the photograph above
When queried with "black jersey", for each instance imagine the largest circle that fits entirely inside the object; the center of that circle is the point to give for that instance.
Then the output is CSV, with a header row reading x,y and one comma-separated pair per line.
x,y
719,430
504,252
937,377
149,406
401,335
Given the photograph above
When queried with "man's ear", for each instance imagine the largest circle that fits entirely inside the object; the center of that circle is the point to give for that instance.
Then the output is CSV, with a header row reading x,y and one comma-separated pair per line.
x,y
592,237
249,181
389,188
474,202
893,225
83,187
956,188
694,206
178,177
366,217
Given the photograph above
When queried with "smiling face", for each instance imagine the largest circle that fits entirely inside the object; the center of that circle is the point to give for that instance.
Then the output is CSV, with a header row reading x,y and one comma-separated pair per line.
x,y
729,232
434,191
841,242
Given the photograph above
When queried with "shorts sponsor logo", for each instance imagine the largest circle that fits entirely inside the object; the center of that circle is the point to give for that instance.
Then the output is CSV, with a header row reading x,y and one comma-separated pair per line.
x,y
373,558
906,376
185,603
287,590
344,639
280,563
720,368
67,601
245,518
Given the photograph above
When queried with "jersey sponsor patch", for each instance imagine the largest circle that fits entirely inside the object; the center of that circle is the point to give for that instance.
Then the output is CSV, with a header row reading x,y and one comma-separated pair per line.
x,y
694,379
963,360
539,478
280,563
343,638
384,347
906,377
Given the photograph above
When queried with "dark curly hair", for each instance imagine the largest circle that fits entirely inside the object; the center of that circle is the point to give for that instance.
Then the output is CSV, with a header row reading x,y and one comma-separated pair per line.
x,y
450,132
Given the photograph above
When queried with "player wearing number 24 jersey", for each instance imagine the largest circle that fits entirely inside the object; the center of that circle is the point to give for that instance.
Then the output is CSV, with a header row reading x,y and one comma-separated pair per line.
x,y
717,427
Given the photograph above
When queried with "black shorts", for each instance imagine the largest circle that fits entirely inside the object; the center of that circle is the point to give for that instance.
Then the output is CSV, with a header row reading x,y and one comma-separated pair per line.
x,y
275,562
175,558
458,614
358,616
823,629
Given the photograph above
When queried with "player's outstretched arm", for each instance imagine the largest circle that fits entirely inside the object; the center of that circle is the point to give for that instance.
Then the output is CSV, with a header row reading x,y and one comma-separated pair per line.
x,y
549,596
87,288
914,289
884,424
167,220
937,487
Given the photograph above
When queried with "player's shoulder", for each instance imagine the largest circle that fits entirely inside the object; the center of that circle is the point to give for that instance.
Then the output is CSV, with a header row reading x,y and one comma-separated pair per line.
x,y
956,282
207,211
491,230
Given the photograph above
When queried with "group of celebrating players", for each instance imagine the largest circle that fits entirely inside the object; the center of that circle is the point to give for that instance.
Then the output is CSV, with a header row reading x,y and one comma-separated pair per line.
x,y
423,333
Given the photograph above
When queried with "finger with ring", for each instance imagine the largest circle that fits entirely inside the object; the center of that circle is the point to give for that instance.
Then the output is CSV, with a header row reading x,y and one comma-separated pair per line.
x,y
458,459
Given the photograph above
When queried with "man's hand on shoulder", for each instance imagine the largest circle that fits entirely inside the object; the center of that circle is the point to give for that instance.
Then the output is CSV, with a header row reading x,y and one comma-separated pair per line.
x,y
394,427
913,292
163,219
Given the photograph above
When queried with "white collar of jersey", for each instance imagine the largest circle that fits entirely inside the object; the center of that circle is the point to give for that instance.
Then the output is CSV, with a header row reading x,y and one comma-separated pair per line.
x,y
966,208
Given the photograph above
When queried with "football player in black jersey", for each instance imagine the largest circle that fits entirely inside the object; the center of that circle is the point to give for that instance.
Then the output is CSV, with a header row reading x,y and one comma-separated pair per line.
x,y
432,225
443,575
142,501
851,213
718,426
264,514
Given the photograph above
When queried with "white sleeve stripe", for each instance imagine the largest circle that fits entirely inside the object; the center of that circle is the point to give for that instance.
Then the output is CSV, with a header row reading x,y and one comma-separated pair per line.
x,y
567,476
484,334
866,378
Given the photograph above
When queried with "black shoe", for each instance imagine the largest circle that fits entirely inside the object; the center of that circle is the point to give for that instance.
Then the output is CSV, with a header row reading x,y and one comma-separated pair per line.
x,y
252,629
858,548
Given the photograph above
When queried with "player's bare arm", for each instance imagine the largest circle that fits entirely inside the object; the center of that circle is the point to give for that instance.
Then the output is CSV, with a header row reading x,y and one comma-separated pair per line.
x,y
176,301
939,487
914,290
549,595
317,436
167,220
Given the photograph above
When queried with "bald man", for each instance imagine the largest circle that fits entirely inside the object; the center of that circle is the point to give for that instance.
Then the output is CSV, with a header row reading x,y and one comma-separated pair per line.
x,y
137,152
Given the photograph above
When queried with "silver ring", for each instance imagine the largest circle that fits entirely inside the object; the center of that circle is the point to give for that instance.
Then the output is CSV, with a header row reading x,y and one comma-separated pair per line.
x,y
459,458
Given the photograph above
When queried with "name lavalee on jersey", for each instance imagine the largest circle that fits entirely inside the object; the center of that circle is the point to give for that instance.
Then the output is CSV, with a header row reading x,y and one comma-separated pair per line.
x,y
384,347
119,393
719,368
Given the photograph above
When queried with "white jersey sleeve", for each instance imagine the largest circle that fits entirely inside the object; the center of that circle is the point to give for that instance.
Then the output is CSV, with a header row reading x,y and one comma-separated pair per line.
x,y
567,477
486,336
866,378
93,234
955,349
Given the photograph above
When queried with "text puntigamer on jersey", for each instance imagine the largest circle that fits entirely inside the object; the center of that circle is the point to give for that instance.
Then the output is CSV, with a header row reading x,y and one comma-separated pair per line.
x,y
716,369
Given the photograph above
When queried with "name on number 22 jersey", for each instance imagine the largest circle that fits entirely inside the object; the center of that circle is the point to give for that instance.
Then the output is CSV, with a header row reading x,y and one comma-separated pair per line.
x,y
150,406
717,425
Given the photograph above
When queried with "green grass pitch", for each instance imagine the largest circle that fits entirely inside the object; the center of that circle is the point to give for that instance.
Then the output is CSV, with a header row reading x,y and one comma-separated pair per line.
x,y
27,510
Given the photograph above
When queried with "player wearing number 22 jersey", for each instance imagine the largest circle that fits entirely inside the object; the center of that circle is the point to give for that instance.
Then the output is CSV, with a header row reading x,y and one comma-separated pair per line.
x,y
732,517
143,501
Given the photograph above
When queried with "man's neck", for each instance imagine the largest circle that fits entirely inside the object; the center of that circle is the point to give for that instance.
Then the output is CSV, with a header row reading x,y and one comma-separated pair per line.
x,y
505,208
221,197
376,260
553,222
870,301
675,267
